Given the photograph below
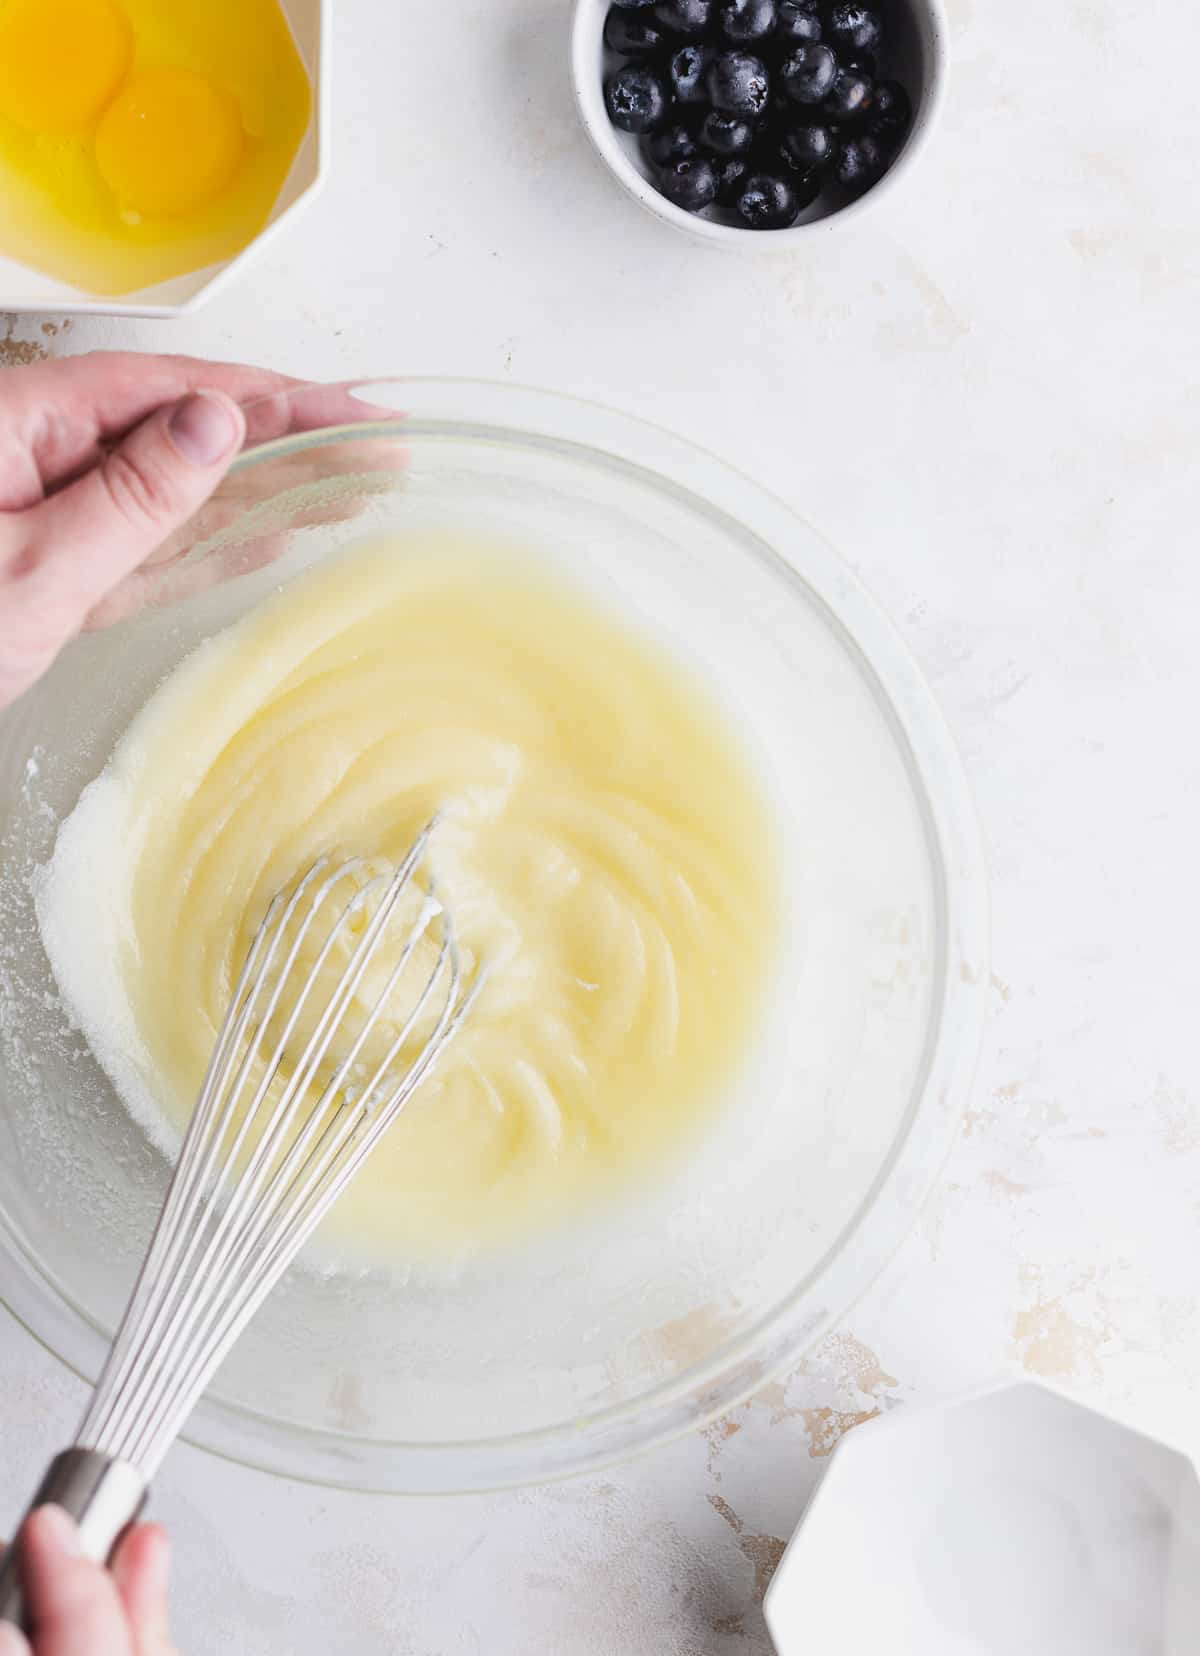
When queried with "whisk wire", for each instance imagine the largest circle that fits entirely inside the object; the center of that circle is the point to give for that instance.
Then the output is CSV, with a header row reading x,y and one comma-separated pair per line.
x,y
194,1166
142,1325
304,1211
174,1309
255,1178
230,1252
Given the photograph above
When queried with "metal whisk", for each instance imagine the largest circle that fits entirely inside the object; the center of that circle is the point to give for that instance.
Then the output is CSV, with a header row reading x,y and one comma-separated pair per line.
x,y
274,1139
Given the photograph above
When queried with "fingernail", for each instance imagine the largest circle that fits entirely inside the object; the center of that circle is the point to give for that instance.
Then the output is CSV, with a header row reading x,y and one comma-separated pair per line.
x,y
59,1529
204,427
12,1643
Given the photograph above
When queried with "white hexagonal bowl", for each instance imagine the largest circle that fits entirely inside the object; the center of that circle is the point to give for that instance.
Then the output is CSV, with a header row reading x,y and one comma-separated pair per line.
x,y
23,289
1013,1522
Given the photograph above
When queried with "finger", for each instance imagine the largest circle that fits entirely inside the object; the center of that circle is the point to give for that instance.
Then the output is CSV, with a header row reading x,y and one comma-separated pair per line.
x,y
156,586
141,1570
13,1642
300,406
67,553
122,387
175,572
60,416
286,474
74,1607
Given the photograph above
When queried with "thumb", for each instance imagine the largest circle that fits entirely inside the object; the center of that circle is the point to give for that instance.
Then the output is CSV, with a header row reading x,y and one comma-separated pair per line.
x,y
81,543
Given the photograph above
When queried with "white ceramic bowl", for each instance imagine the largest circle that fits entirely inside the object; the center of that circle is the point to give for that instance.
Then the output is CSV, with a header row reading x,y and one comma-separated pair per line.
x,y
23,288
1009,1520
918,58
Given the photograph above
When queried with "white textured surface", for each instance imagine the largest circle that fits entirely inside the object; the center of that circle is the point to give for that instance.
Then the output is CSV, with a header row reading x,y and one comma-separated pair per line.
x,y
986,398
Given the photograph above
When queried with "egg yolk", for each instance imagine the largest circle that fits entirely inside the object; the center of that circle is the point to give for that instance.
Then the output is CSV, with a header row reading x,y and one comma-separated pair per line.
x,y
61,61
169,142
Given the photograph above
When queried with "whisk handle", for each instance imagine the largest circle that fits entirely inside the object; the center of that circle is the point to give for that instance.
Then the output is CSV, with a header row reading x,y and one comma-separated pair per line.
x,y
104,1497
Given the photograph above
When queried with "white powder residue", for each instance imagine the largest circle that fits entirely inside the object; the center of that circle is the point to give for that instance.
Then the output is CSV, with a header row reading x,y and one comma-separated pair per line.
x,y
85,925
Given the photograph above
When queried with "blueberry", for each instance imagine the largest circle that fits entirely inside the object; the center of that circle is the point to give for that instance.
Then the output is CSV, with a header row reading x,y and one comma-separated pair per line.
x,y
890,111
849,98
809,72
676,142
731,171
723,134
806,187
631,33
860,162
797,21
744,22
781,109
738,83
853,28
808,147
690,182
633,5
864,62
686,19
636,99
767,202
686,71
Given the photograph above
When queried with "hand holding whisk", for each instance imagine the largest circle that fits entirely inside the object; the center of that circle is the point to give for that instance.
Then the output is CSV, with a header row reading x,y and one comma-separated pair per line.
x,y
313,1062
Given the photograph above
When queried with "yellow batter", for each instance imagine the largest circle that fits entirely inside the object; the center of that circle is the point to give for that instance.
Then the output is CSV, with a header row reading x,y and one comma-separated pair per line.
x,y
602,842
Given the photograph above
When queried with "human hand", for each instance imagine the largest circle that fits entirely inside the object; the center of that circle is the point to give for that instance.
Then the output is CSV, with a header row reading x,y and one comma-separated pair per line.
x,y
103,459
77,1608
254,515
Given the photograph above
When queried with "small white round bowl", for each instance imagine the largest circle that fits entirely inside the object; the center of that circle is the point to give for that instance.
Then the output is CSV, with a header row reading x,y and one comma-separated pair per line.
x,y
918,59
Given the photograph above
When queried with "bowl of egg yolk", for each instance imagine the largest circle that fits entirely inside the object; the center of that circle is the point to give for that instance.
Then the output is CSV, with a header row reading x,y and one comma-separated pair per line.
x,y
698,810
148,146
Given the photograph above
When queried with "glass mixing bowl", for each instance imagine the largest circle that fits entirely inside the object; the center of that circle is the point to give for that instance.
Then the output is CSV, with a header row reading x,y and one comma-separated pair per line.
x,y
649,1318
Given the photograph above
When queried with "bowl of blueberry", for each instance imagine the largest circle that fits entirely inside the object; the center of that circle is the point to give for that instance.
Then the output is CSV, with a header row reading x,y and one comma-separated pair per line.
x,y
729,116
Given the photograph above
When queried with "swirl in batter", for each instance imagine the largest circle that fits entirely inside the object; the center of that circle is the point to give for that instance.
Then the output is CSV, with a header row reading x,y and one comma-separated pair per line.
x,y
603,842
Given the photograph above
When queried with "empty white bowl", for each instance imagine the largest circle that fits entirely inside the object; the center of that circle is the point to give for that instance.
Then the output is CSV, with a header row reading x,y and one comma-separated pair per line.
x,y
1013,1520
917,58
